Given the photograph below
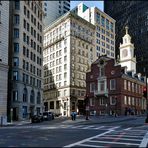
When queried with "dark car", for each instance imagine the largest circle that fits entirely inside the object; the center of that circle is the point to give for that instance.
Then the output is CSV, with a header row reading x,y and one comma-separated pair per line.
x,y
36,118
48,115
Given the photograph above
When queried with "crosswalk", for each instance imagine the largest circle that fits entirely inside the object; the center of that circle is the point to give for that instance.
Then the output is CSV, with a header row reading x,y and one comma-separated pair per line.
x,y
129,137
82,127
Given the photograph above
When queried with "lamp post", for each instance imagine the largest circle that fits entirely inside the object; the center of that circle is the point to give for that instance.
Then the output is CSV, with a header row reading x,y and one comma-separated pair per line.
x,y
87,106
116,107
67,107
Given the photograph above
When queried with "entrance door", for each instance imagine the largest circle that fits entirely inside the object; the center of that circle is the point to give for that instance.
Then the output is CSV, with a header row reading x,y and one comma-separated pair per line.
x,y
15,114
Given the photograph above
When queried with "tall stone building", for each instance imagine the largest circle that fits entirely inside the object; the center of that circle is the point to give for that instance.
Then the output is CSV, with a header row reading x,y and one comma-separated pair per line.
x,y
134,14
4,32
54,9
25,59
69,47
105,29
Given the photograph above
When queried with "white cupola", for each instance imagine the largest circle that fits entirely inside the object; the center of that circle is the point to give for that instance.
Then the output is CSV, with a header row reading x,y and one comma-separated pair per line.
x,y
127,53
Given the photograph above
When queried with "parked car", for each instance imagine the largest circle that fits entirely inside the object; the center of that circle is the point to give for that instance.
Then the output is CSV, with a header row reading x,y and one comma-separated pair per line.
x,y
36,118
48,115
57,114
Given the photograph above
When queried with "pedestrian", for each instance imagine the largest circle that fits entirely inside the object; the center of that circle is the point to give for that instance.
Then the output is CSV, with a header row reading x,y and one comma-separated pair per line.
x,y
94,112
74,115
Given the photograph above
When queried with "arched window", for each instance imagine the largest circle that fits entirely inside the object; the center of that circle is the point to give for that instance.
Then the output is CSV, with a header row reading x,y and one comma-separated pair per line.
x,y
32,96
38,98
25,95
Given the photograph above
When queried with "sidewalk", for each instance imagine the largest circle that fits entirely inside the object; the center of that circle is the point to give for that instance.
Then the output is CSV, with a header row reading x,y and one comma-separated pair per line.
x,y
100,119
81,119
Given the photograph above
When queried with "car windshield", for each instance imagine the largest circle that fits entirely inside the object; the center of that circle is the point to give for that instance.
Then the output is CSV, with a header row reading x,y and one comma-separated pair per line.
x,y
44,114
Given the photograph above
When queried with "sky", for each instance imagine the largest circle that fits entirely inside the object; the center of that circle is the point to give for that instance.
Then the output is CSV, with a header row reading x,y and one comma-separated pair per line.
x,y
91,3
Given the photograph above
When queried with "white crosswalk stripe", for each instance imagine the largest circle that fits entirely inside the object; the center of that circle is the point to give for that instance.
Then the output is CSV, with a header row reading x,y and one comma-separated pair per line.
x,y
116,137
82,127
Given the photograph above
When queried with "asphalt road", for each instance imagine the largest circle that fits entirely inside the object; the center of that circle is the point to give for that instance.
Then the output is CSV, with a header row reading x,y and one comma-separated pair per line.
x,y
59,134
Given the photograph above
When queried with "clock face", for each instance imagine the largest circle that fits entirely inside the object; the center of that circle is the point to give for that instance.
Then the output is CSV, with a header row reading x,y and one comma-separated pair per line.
x,y
124,53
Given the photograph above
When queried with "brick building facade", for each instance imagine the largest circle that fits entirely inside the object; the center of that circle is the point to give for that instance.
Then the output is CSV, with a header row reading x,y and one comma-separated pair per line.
x,y
111,88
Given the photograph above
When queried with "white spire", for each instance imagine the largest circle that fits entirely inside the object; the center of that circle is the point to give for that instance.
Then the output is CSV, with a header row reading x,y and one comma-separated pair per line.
x,y
126,29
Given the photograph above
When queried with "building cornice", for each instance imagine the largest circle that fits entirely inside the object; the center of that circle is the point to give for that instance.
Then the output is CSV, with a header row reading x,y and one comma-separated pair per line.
x,y
66,16
132,79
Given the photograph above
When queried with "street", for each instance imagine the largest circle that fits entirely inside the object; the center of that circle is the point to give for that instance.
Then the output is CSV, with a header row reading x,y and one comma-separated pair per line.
x,y
67,133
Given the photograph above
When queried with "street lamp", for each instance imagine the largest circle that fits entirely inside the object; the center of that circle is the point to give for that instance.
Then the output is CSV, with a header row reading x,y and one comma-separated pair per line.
x,y
67,107
87,106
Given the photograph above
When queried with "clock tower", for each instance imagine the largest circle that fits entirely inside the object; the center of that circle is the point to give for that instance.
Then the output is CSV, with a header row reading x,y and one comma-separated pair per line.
x,y
127,53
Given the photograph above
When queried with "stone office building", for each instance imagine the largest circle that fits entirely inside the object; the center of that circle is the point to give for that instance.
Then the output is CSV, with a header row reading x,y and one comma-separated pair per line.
x,y
4,33
68,50
25,59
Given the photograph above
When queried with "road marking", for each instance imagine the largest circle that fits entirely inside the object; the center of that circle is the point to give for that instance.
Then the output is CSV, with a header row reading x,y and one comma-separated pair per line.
x,y
144,141
124,136
120,138
87,139
99,127
113,142
113,128
87,145
134,130
88,127
79,126
127,129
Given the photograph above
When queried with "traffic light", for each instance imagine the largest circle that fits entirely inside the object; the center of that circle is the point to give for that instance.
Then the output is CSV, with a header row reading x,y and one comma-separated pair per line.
x,y
145,92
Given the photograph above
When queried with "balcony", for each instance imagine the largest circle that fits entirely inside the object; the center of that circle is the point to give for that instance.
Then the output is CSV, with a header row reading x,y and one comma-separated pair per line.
x,y
101,93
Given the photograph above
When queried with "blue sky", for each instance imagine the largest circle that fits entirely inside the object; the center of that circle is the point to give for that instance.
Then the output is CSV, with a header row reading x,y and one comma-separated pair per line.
x,y
92,3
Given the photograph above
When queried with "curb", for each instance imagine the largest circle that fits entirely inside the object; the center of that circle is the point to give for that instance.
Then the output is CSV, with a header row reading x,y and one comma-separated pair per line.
x,y
103,122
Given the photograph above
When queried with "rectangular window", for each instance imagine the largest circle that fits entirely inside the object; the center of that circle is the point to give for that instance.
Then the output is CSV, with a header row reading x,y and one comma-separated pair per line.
x,y
28,40
98,18
15,95
102,72
51,104
16,33
132,87
24,23
17,4
16,19
129,86
107,24
113,84
125,100
16,47
111,27
101,86
24,10
113,100
125,84
102,101
15,75
24,37
15,61
92,87
23,77
129,100
57,104
27,79
102,21
28,14
92,101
